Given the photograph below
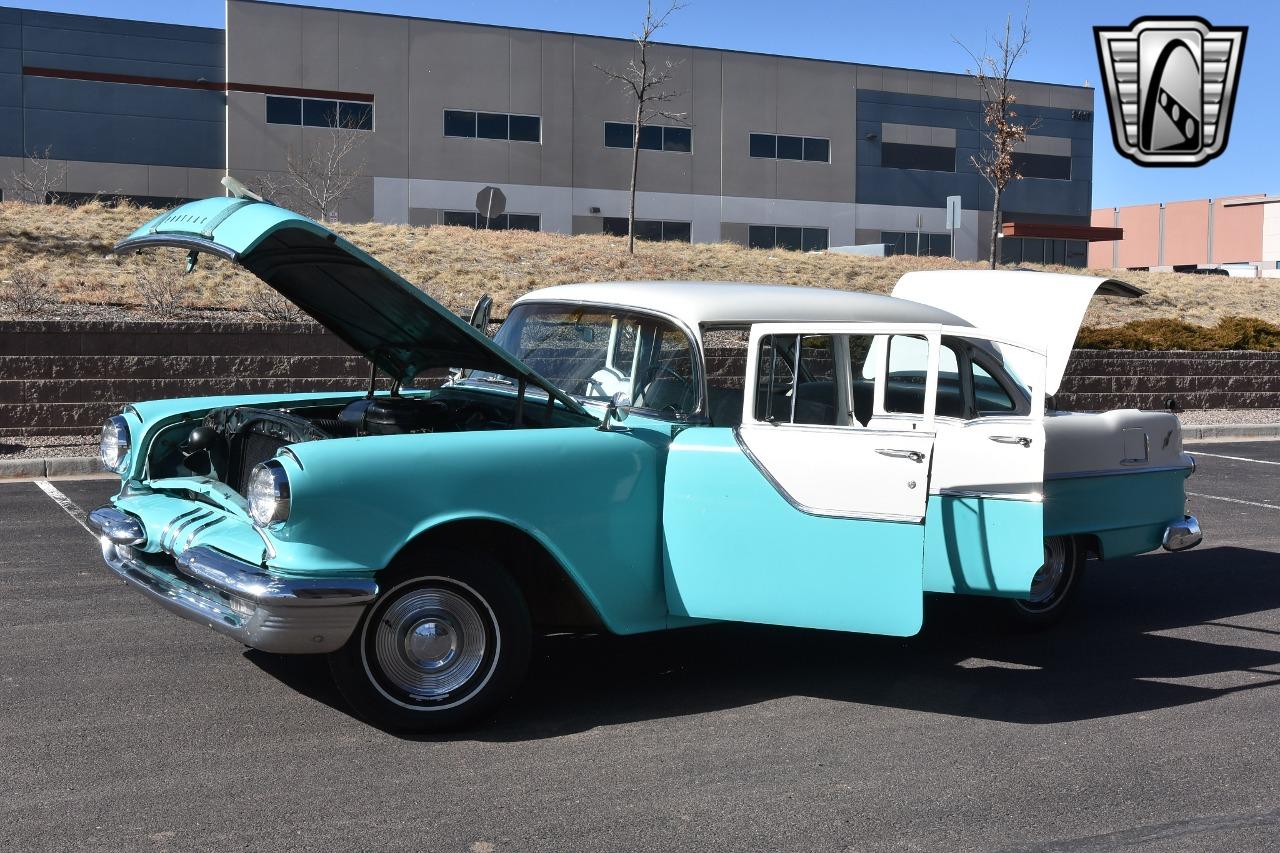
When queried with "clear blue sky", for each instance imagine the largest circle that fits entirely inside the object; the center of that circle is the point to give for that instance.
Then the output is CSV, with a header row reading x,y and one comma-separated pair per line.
x,y
910,33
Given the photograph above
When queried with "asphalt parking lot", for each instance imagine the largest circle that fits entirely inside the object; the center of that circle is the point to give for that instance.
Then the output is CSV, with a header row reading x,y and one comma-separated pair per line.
x,y
1147,721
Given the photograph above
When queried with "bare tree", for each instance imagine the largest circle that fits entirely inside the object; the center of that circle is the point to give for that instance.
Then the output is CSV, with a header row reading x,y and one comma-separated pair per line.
x,y
1002,131
323,174
646,83
40,178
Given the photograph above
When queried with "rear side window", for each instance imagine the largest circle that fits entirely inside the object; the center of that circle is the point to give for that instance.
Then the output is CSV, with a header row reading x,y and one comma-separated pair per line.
x,y
796,380
908,370
990,397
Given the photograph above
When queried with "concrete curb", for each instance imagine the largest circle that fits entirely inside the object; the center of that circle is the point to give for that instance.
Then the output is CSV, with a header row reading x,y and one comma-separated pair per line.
x,y
1225,431
58,466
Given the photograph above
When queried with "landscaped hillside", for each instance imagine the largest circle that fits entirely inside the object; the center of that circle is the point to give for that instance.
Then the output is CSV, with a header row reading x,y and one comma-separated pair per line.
x,y
55,261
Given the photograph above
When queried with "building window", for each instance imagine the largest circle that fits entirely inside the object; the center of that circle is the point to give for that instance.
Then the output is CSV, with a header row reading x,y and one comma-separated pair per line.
x,y
657,230
653,137
787,237
319,112
478,125
929,158
1034,250
772,146
1042,166
505,222
906,243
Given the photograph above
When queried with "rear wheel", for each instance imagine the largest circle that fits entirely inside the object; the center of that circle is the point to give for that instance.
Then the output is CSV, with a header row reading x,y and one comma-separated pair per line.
x,y
446,641
1054,586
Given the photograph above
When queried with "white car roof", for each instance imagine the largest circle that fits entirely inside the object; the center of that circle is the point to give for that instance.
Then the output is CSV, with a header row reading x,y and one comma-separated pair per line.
x,y
697,303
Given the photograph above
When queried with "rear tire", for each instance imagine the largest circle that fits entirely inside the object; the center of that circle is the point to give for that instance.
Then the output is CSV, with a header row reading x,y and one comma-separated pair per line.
x,y
1054,588
446,640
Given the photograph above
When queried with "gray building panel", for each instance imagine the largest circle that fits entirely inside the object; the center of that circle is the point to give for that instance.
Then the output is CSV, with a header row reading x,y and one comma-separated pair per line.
x,y
107,138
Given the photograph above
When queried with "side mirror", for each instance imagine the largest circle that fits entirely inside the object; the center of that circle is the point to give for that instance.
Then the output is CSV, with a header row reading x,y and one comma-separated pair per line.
x,y
617,409
480,313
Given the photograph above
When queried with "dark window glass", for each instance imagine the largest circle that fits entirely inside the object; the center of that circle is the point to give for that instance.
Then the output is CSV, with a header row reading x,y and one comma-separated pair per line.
x,y
1077,253
284,110
526,129
775,378
1033,250
764,145
991,396
524,222
931,158
790,148
617,134
677,139
651,137
615,226
814,239
908,367
817,150
648,229
1010,250
458,217
491,125
940,245
677,231
894,240
459,123
760,236
1042,166
355,116
320,113
788,237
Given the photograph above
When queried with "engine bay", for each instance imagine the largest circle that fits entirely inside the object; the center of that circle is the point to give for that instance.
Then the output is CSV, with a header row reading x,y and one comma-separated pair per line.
x,y
228,442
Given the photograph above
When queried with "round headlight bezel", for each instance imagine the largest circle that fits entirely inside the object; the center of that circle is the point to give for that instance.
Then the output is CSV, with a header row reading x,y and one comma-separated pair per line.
x,y
268,494
113,448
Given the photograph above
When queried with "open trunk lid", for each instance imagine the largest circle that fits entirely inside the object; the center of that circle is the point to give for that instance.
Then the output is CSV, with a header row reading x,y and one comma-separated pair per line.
x,y
395,325
1039,308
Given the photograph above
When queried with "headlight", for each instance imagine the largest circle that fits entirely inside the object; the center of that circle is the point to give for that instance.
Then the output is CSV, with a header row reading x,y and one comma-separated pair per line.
x,y
114,448
268,494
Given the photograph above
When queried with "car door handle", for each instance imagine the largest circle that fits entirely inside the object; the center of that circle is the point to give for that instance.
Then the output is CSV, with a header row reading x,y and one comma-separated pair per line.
x,y
913,455
1011,439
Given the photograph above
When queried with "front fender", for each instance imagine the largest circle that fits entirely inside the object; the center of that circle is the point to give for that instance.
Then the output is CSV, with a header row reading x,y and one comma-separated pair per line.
x,y
592,498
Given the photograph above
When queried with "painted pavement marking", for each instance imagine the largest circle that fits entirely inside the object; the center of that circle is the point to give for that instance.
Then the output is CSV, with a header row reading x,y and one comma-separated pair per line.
x,y
1233,500
1234,458
67,504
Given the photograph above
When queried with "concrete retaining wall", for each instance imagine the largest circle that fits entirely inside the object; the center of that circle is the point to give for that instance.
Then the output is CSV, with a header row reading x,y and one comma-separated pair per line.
x,y
67,377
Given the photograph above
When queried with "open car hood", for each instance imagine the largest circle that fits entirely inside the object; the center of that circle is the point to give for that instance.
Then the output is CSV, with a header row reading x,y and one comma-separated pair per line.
x,y
386,319
1041,309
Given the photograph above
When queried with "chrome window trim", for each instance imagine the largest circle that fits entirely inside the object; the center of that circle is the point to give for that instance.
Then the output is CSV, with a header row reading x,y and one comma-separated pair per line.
x,y
1026,497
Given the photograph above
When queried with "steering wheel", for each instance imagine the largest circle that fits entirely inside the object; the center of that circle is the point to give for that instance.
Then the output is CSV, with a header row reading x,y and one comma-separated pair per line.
x,y
659,369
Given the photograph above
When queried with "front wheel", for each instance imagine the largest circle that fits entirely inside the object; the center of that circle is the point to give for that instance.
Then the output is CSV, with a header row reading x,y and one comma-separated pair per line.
x,y
447,640
1054,586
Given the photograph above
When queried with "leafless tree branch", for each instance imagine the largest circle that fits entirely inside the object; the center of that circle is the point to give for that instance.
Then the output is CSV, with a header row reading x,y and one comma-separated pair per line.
x,y
38,181
645,83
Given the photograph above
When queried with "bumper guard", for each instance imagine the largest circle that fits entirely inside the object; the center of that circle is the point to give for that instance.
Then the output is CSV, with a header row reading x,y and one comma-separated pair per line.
x,y
233,597
1182,535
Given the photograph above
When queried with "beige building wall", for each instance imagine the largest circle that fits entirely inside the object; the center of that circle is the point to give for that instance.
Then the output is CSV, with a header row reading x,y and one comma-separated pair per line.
x,y
415,69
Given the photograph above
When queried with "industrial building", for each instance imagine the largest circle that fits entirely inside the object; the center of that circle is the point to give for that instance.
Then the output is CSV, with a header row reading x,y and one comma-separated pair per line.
x,y
1239,233
774,151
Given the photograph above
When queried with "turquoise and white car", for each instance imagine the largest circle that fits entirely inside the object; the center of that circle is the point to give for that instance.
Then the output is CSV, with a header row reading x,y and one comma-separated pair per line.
x,y
624,457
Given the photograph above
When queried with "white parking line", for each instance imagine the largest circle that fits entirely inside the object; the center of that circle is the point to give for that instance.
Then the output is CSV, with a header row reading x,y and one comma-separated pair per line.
x,y
1233,500
1233,458
66,503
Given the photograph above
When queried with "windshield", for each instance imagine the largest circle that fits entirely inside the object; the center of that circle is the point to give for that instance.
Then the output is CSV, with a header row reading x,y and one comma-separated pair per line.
x,y
594,353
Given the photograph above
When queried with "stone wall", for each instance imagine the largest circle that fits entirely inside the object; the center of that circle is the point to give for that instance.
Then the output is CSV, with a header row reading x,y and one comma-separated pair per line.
x,y
1114,379
67,377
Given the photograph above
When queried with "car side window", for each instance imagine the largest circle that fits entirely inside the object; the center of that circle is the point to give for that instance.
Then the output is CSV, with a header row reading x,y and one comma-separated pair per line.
x,y
796,380
908,370
990,397
725,351
950,393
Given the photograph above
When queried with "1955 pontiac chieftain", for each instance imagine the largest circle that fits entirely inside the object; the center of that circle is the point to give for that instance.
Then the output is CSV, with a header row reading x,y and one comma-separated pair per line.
x,y
625,457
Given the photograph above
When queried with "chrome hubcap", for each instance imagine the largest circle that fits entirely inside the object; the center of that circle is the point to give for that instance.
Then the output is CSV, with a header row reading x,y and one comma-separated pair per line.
x,y
1047,583
429,642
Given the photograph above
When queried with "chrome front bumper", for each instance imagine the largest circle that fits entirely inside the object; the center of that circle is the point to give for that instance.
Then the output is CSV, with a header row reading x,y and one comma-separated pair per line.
x,y
1182,535
233,597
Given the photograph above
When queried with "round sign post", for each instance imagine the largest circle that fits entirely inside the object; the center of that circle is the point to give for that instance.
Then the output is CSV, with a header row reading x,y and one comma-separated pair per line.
x,y
490,202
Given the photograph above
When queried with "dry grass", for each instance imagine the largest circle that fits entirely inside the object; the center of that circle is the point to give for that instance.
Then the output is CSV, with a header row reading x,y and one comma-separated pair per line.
x,y
70,248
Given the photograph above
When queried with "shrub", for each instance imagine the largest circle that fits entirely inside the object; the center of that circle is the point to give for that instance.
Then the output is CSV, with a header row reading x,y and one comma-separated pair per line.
x,y
25,293
1230,333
